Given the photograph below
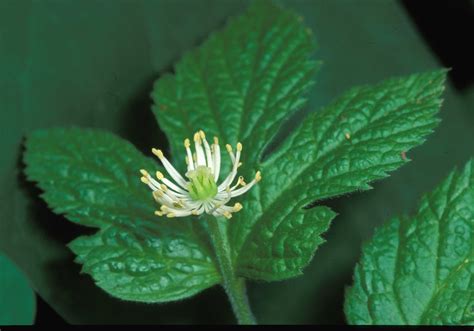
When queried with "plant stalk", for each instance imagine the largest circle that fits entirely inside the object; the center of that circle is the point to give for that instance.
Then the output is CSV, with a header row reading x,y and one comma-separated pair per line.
x,y
234,286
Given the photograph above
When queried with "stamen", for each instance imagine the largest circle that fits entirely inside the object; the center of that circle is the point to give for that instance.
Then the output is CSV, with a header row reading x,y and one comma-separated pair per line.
x,y
200,194
217,159
207,148
237,207
239,181
157,152
201,159
169,167
189,157
178,190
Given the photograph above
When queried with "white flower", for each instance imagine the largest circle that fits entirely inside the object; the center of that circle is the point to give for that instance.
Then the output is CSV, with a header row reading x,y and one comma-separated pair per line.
x,y
198,191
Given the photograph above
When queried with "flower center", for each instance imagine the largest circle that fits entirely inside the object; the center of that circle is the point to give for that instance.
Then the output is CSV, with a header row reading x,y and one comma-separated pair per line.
x,y
202,185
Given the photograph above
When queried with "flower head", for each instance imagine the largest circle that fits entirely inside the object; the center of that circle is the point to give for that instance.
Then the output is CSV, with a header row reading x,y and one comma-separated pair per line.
x,y
198,191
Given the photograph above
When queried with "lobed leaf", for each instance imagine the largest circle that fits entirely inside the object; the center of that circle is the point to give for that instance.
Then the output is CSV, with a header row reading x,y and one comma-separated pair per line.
x,y
357,139
241,83
148,265
92,178
420,270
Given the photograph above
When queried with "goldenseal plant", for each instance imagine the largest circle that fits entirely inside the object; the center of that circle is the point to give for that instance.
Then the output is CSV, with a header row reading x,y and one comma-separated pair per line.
x,y
200,193
240,85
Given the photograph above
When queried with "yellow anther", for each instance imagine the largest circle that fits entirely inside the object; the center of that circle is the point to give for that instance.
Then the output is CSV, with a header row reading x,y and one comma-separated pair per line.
x,y
159,175
258,176
227,215
194,212
239,165
237,207
347,135
158,213
202,134
164,187
144,172
157,152
163,208
170,215
187,143
145,180
197,138
158,194
229,148
216,140
239,147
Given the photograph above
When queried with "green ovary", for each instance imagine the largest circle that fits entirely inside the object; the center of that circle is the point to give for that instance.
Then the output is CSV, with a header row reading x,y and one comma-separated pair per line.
x,y
202,185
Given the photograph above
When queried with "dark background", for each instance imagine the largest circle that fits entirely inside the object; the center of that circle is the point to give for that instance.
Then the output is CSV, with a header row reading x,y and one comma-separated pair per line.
x,y
360,41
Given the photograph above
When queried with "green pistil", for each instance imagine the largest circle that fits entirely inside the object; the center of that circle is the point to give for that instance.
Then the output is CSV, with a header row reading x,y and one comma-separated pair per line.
x,y
202,185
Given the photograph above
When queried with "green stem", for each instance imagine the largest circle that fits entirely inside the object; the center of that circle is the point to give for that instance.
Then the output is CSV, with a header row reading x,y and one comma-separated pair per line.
x,y
234,286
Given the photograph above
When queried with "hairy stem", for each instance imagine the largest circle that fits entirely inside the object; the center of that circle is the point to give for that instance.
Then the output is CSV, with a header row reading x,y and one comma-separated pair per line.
x,y
234,286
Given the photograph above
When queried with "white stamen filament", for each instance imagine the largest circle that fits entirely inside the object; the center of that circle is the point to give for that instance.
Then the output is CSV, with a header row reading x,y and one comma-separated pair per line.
x,y
199,194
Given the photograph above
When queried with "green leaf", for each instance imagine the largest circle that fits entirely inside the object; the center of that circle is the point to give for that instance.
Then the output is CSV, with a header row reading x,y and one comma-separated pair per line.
x,y
92,178
241,83
146,265
355,140
17,299
112,52
222,87
419,270
89,175
279,248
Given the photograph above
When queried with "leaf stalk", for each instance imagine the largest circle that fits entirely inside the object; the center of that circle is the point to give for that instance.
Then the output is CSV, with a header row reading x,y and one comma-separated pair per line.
x,y
234,286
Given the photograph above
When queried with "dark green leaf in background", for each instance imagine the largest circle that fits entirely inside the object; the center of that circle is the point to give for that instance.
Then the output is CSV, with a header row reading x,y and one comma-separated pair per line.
x,y
420,269
17,299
